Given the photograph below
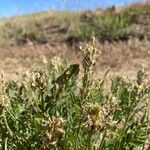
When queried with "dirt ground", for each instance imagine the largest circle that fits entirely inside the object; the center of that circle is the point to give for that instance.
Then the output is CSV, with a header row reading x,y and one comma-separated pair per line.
x,y
122,58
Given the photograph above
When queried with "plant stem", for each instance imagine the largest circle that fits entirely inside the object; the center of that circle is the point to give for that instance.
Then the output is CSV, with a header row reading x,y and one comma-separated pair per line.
x,y
102,141
89,141
124,128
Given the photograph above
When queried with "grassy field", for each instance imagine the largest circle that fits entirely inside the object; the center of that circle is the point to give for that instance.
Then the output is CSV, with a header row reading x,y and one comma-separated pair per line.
x,y
65,87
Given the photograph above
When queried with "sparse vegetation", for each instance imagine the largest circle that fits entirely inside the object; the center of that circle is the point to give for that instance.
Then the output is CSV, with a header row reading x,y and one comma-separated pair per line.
x,y
109,25
112,27
56,109
80,33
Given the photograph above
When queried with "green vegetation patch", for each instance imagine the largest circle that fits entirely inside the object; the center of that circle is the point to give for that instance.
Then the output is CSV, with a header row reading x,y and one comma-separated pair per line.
x,y
113,26
58,109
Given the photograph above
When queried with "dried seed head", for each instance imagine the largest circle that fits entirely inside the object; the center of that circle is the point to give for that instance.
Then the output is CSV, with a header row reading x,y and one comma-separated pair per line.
x,y
57,63
140,76
94,117
44,59
37,80
111,136
4,99
111,105
91,52
53,130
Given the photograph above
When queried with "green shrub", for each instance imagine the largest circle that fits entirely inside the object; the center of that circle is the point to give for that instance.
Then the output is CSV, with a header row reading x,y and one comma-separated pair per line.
x,y
21,34
54,109
80,33
112,26
11,31
137,8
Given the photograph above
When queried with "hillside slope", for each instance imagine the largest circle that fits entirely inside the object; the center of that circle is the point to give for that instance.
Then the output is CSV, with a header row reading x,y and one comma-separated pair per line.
x,y
124,34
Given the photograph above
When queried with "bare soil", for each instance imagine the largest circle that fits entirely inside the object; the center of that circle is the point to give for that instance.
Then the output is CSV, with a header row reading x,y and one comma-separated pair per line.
x,y
122,58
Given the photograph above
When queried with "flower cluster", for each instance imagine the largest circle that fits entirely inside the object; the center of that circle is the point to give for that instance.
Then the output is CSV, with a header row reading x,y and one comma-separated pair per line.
x,y
52,131
94,117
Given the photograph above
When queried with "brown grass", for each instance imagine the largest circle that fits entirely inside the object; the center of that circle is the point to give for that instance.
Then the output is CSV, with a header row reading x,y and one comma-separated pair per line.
x,y
50,31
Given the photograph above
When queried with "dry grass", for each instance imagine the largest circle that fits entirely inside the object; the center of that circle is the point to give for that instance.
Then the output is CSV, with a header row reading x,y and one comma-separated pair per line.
x,y
57,26
123,58
24,39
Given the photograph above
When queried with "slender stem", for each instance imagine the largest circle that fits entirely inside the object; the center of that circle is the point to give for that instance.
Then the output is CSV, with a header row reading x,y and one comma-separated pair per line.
x,y
7,126
102,141
148,118
6,141
124,128
89,141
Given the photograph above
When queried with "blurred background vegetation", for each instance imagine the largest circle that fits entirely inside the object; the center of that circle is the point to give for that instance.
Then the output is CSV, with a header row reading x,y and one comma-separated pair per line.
x,y
110,24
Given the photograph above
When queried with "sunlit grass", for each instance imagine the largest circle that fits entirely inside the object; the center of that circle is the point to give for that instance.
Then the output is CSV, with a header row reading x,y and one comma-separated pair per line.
x,y
46,27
